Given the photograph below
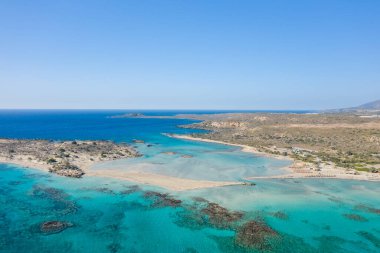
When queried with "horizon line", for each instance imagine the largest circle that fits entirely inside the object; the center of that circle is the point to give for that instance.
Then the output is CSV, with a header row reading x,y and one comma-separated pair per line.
x,y
160,109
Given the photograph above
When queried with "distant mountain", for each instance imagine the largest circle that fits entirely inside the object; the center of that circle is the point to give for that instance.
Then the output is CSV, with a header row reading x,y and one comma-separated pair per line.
x,y
375,105
367,107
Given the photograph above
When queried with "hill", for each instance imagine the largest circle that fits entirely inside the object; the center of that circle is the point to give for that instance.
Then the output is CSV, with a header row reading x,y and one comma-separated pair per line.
x,y
375,105
371,107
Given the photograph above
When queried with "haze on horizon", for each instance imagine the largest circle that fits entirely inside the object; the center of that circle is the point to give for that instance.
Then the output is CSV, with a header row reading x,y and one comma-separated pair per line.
x,y
189,54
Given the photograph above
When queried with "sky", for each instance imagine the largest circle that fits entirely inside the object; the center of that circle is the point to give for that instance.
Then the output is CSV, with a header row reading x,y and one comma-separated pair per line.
x,y
189,54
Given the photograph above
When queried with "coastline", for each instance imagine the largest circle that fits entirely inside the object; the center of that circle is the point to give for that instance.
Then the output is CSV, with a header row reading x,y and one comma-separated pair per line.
x,y
167,182
244,148
26,164
297,170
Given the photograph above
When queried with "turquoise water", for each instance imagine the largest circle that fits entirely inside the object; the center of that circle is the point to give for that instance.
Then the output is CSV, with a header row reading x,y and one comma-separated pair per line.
x,y
108,215
207,161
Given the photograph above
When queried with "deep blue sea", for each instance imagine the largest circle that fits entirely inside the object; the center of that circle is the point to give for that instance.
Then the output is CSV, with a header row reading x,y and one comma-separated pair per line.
x,y
109,215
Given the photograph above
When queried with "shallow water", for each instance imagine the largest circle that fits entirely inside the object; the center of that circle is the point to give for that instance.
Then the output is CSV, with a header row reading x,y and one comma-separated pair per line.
x,y
314,215
198,160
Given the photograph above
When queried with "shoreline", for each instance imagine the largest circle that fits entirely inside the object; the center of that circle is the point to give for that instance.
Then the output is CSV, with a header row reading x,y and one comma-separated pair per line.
x,y
244,148
297,169
163,181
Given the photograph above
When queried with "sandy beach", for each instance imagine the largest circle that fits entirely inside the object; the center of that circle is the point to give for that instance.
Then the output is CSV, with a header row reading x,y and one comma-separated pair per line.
x,y
167,182
297,169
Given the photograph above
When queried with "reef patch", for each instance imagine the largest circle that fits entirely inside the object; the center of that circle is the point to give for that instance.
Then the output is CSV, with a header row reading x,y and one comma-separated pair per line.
x,y
355,217
220,216
255,234
54,227
162,199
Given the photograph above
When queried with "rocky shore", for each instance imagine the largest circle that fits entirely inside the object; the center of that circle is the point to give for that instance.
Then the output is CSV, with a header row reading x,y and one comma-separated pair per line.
x,y
65,158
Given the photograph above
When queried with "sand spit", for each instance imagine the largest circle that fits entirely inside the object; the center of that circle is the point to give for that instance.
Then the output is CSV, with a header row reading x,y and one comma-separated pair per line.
x,y
167,182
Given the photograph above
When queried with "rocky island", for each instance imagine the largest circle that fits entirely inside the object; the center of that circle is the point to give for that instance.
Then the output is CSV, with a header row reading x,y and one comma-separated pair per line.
x,y
65,158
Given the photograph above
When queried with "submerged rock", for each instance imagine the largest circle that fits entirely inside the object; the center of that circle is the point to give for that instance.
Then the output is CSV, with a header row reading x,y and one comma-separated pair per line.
x,y
162,199
149,194
169,153
191,219
58,199
186,156
53,227
368,209
48,192
326,227
114,247
138,141
99,189
15,182
131,189
220,216
200,199
280,215
203,213
105,190
370,237
255,234
336,200
355,217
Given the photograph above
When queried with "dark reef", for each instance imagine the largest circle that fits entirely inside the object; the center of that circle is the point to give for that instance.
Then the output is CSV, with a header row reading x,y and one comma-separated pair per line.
x,y
53,227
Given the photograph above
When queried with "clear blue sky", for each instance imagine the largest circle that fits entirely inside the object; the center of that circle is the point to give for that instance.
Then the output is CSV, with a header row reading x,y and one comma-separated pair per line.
x,y
193,54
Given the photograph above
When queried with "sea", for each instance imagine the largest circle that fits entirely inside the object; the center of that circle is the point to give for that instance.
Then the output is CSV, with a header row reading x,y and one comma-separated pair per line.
x,y
109,215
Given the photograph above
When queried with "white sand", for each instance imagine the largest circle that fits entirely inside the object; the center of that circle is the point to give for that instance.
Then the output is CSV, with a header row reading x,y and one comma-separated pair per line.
x,y
168,182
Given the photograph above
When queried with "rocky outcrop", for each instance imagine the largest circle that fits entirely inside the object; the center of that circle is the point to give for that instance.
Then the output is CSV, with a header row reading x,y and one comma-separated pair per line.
x,y
66,169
